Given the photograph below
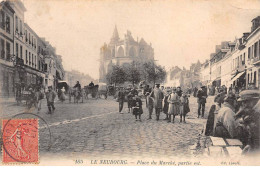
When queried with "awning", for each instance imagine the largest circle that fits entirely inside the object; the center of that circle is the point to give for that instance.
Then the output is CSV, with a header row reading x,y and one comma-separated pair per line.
x,y
238,76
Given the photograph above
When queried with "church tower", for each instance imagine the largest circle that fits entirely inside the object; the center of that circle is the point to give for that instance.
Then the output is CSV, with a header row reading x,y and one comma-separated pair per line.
x,y
115,38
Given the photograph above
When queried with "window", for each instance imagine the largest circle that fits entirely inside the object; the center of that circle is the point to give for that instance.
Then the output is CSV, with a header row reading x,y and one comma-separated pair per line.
x,y
35,61
21,28
241,61
255,77
2,49
255,49
39,63
8,55
251,78
252,51
249,53
39,49
26,55
32,60
16,52
29,38
2,19
258,48
244,59
16,24
29,58
26,37
8,24
21,52
32,41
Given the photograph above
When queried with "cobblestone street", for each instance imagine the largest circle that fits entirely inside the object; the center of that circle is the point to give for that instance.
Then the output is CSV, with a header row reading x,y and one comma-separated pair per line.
x,y
95,129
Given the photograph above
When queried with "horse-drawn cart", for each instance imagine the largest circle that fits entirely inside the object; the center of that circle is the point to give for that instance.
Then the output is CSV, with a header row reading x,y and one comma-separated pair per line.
x,y
92,90
102,90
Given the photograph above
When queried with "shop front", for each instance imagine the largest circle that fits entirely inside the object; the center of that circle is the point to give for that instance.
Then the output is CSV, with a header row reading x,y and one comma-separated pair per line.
x,y
33,78
239,80
7,81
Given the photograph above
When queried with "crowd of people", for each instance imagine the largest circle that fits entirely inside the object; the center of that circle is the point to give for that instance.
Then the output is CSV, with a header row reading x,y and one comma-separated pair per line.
x,y
171,102
234,115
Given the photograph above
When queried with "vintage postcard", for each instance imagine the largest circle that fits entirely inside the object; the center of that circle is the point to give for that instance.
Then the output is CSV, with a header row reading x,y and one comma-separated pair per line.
x,y
129,83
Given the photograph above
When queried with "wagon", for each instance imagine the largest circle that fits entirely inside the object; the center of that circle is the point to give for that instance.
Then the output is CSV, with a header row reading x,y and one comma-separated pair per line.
x,y
102,90
93,90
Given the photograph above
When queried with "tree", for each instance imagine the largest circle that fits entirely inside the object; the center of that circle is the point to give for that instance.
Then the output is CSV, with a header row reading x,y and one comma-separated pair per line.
x,y
160,73
153,73
132,73
117,75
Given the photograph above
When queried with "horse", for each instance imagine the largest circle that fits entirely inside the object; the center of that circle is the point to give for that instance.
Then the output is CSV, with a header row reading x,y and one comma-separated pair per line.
x,y
77,95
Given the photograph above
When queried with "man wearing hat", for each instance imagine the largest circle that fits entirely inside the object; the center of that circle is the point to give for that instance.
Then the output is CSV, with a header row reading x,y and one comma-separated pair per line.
x,y
226,123
157,95
249,113
50,96
202,96
78,86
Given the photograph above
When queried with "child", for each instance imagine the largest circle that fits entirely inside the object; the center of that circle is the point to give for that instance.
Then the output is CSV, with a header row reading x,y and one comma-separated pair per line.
x,y
137,107
184,107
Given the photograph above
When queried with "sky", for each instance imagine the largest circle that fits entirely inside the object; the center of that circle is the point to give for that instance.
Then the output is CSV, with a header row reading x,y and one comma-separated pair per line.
x,y
180,31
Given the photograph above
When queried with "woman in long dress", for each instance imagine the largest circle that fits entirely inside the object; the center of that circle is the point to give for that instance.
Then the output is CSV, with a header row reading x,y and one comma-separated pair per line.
x,y
173,101
62,96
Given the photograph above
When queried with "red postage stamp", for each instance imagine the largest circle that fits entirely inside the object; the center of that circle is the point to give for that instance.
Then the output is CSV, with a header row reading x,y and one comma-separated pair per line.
x,y
20,140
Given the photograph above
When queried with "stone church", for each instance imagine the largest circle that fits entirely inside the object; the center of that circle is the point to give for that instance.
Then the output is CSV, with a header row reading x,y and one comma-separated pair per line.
x,y
122,52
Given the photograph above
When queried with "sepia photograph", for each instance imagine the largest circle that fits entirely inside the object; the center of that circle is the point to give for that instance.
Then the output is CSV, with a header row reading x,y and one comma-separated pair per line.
x,y
130,82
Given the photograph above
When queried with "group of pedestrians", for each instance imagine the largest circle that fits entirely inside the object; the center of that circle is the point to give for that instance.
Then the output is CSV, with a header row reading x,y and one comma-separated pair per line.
x,y
37,95
134,102
171,102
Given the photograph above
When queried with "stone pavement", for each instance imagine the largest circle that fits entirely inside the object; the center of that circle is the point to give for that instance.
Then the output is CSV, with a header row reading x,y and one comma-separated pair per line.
x,y
96,129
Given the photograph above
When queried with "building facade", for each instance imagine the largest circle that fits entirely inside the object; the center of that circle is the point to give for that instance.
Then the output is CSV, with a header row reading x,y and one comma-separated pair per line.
x,y
122,52
6,49
235,63
252,49
23,62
